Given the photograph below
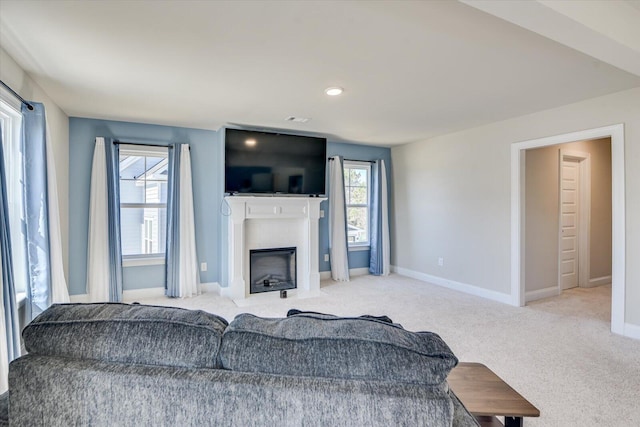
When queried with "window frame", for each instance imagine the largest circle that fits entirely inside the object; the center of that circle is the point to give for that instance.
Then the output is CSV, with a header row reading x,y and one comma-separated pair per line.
x,y
11,117
355,164
138,150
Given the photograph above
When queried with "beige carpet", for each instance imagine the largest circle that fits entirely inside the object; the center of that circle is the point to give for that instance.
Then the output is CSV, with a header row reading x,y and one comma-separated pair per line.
x,y
559,352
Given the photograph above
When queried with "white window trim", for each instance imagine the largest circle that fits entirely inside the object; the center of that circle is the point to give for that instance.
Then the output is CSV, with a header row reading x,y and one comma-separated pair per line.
x,y
140,260
357,247
361,246
10,113
143,205
10,99
21,297
143,150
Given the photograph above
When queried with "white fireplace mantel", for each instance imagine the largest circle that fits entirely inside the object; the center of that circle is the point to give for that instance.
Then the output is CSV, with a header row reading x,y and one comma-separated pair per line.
x,y
263,222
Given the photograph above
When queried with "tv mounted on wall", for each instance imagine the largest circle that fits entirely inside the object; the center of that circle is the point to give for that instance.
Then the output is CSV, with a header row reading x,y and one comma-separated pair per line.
x,y
272,163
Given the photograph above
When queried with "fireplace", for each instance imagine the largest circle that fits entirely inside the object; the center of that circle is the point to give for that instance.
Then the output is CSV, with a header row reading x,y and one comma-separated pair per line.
x,y
272,269
270,222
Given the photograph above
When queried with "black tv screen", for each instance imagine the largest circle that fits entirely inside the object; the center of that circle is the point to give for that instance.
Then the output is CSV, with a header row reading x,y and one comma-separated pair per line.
x,y
273,163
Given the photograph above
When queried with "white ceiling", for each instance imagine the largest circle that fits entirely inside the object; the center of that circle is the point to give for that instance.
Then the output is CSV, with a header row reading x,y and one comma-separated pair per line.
x,y
411,70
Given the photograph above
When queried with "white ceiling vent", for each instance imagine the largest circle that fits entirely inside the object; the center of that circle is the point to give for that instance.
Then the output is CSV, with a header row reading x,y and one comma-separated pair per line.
x,y
297,119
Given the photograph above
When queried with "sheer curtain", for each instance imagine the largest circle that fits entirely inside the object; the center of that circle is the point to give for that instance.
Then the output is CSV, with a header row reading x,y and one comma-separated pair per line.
x,y
59,290
9,327
104,258
183,279
338,248
379,263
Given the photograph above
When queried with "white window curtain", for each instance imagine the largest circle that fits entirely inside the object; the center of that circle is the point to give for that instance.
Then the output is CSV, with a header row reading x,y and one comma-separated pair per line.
x,y
59,290
338,248
98,247
183,278
104,258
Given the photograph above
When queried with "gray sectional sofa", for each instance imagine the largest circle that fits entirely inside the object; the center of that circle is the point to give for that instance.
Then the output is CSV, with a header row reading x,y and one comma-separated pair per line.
x,y
137,365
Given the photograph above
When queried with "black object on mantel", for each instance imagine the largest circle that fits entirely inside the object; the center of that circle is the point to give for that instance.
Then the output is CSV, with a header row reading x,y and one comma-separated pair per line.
x,y
283,294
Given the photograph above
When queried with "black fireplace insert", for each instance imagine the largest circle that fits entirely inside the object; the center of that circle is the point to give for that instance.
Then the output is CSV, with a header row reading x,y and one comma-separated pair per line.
x,y
272,269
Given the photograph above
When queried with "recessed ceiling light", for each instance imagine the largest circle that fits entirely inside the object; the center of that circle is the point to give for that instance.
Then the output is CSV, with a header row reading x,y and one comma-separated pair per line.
x,y
333,91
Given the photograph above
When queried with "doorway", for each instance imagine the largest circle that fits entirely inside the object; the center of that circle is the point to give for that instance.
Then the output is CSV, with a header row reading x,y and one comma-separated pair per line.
x,y
518,231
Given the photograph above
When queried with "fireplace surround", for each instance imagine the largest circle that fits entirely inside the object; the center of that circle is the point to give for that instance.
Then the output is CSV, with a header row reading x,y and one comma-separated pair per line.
x,y
263,222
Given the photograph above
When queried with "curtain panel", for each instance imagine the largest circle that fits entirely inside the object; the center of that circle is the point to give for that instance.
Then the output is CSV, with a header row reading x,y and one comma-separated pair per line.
x,y
9,326
36,215
112,151
182,278
59,289
46,281
104,257
379,262
338,246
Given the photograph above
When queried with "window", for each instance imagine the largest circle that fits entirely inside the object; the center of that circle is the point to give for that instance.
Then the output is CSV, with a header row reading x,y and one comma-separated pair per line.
x,y
357,179
143,202
11,123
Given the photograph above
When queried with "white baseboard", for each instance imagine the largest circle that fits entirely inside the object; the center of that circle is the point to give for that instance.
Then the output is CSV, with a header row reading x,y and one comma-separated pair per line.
x,y
326,275
632,331
457,286
598,281
551,291
357,271
211,288
133,295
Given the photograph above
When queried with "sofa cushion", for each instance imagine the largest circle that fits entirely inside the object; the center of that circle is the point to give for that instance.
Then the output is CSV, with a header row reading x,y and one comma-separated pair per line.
x,y
335,347
295,312
126,333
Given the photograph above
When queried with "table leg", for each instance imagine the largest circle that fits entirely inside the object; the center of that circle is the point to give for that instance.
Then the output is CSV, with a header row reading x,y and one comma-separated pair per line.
x,y
513,422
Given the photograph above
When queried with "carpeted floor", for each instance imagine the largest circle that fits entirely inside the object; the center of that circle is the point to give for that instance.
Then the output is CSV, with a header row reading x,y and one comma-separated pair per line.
x,y
559,352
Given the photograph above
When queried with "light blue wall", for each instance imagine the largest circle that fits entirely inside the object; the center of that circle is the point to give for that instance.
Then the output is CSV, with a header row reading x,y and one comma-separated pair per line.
x,y
207,159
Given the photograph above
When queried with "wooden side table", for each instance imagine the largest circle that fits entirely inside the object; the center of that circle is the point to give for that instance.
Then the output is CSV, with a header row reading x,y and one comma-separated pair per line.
x,y
486,396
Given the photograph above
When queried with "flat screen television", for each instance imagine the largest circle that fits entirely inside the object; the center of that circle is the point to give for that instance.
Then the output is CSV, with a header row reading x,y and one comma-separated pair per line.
x,y
272,163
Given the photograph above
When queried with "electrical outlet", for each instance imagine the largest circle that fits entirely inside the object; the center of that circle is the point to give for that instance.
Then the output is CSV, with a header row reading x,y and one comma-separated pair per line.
x,y
321,213
326,257
203,266
440,261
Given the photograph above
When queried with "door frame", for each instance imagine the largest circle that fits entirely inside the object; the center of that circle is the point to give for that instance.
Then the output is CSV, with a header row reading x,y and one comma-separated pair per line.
x,y
618,252
584,214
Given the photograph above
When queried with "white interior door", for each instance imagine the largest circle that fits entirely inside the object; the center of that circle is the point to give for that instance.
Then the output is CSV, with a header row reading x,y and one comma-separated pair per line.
x,y
569,233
